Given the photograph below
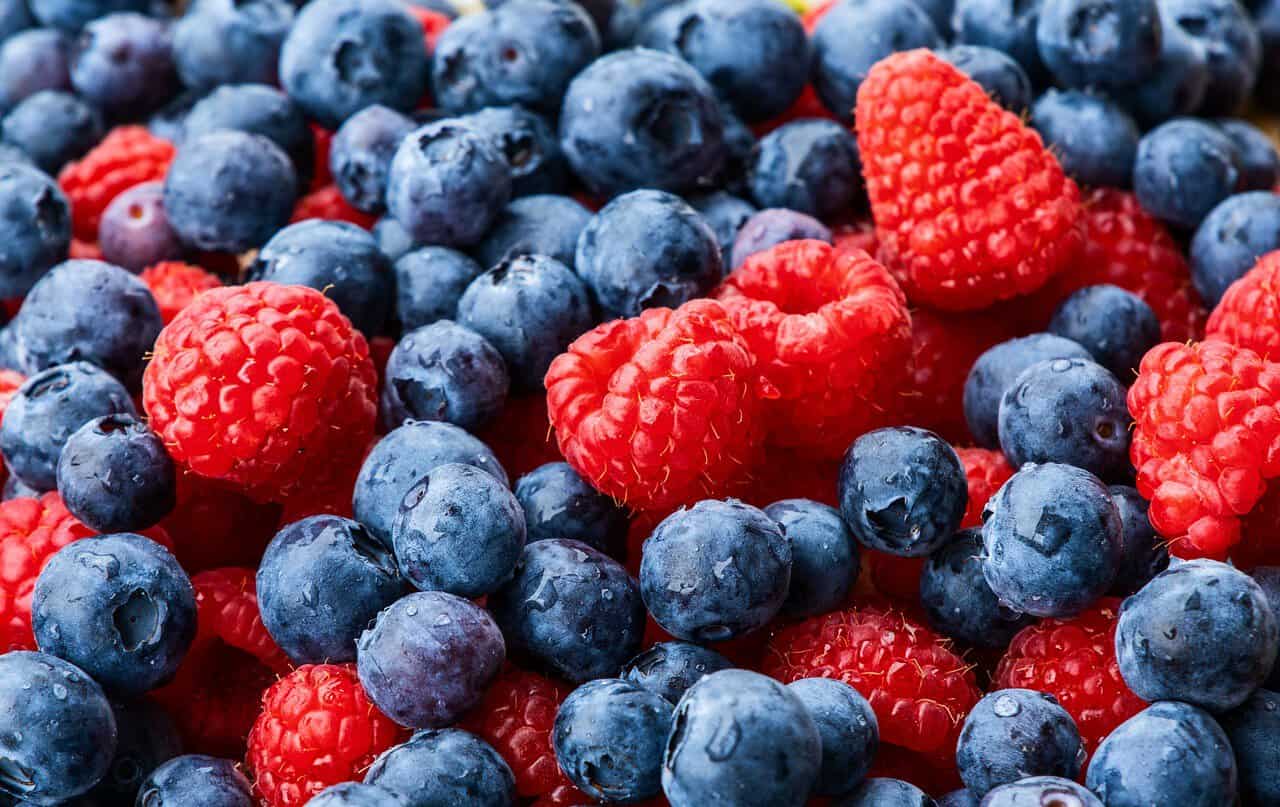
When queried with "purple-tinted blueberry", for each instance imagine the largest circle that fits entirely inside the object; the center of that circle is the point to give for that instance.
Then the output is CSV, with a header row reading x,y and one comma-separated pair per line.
x,y
115,475
72,15
361,153
123,64
1036,791
52,128
608,738
135,233
768,228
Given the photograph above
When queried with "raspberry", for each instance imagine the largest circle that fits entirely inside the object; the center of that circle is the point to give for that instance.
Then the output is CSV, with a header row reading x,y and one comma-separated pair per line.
x,y
217,525
1248,314
321,176
660,409
327,203
317,728
85,250
985,470
831,332
1206,439
929,773
175,284
433,24
265,386
127,156
521,436
1075,661
856,235
920,690
895,577
968,203
783,474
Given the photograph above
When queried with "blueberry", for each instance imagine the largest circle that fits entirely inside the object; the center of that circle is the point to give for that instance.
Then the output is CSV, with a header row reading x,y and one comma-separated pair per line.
x,y
1008,26
31,61
447,184
641,119
320,582
520,53
123,64
341,56
167,121
608,738
393,239
963,798
52,128
60,729
1178,83
1014,733
1230,240
848,728
1268,577
396,463
725,214
572,609
958,600
753,52
429,658
884,792
1052,540
998,73
260,110
824,556
229,191
1259,163
361,152
1143,553
135,233
117,606
443,371
1232,46
1099,42
1114,325
230,41
558,503
670,668
14,17
35,226
356,794
808,165
15,489
739,143
628,18
535,225
1253,728
115,475
715,571
530,145
72,15
88,311
902,491
530,308
335,257
995,371
1093,137
644,249
429,283
9,350
1169,753
775,756
449,766
1200,632
1036,791
1184,168
146,738
768,228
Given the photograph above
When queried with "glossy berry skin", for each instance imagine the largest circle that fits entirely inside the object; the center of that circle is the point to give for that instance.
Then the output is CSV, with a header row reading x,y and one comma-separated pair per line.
x,y
256,109
530,145
985,471
996,71
1003,26
228,42
1131,767
1259,163
1230,40
558,503
1034,791
33,60
36,223
668,669
446,766
62,745
1231,239
848,729
768,228
443,371
1093,137
886,792
809,165
52,128
1114,325
1252,729
146,737
824,556
609,736
135,232
1015,733
725,214
1247,315
127,156
1184,168
356,794
175,284
428,658
776,760
196,779
1143,554
1118,46
361,154
995,371
958,600
123,64
543,224
429,282
115,475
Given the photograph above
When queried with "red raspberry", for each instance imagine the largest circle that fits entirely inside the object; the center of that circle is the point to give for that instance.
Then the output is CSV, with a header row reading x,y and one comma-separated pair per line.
x,y
931,774
327,203
317,728
1075,661
1248,314
216,525
784,474
815,12
522,437
332,497
127,156
320,175
1206,439
968,202
433,24
895,577
985,470
831,332
175,284
265,386
660,409
856,235
920,690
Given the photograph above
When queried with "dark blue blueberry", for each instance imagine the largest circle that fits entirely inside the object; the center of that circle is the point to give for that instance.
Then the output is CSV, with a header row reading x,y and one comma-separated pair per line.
x,y
641,119
824,556
135,233
644,249
166,122
59,729
998,73
361,153
670,668
768,228
535,225
1253,728
1267,91
520,53
1268,577
393,239
88,311
1143,553
449,766
571,609
230,41
1232,46
775,756
1258,161
1178,82
429,283
1200,632
123,64
8,350
447,184
600,11
1103,43
809,165
627,20
1014,733
963,798
856,34
321,581
725,214
443,371
429,658
1230,239
1037,791
1183,170
260,110
995,371
885,792
335,257
229,191
530,146
530,308
1093,137
609,736
115,475
11,153
558,503
1008,26
341,56
849,731
117,606
31,61
1051,540
753,52
1169,753
714,571
958,600
196,779
147,737
902,491
1114,325
356,794
399,460
739,143
14,17
52,128
72,15
35,226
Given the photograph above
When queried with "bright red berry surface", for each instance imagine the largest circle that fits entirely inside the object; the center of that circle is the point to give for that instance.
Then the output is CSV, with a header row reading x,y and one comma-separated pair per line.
x,y
985,470
127,156
1248,314
175,284
326,202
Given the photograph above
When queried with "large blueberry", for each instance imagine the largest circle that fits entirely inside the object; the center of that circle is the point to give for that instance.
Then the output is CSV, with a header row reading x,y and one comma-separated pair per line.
x,y
558,503
123,64
1099,42
1254,730
1177,84
35,226
34,60
808,165
196,779
958,600
670,668
1092,136
995,371
115,475
849,731
443,371
361,153
542,224
1232,47
824,556
261,110
1014,733
52,128
608,738
230,41
1114,325
1038,791
1184,168
429,283
530,145
447,766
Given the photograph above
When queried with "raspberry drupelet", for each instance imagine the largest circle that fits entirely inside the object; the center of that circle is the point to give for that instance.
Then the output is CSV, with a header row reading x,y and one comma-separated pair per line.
x,y
175,284
1248,314
127,156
